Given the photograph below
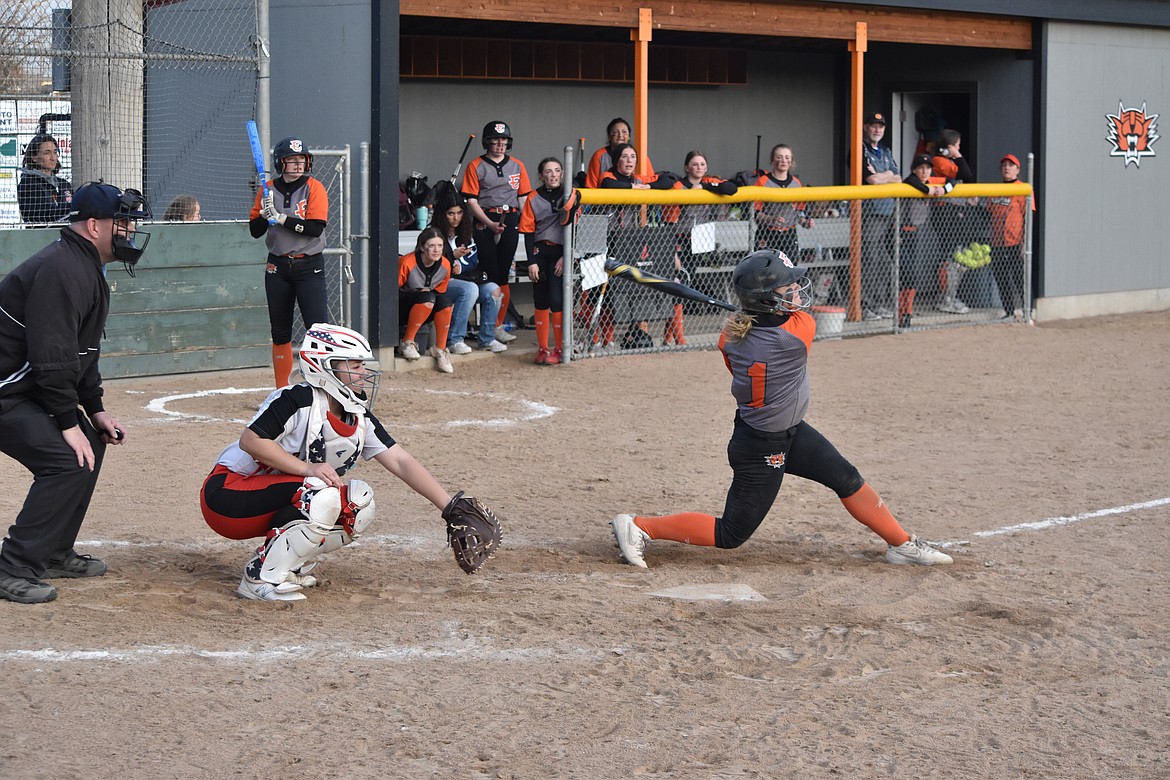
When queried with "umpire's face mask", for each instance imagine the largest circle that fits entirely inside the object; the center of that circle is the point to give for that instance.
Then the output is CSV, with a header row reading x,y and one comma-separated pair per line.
x,y
129,243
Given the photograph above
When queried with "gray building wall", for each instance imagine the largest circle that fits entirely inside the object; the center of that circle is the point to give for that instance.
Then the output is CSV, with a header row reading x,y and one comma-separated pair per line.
x,y
1105,228
788,99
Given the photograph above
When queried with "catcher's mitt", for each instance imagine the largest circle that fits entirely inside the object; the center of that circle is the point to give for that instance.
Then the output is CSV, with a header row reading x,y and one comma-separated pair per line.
x,y
473,532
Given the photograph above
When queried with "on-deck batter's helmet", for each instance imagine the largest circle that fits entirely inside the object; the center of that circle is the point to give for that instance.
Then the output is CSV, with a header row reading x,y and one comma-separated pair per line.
x,y
287,148
758,276
326,345
496,129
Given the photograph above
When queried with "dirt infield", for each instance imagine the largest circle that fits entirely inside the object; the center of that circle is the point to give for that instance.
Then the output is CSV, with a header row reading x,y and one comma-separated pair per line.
x,y
1040,653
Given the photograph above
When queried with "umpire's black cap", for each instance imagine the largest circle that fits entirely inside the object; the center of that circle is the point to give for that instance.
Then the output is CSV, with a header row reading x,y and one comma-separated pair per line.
x,y
98,200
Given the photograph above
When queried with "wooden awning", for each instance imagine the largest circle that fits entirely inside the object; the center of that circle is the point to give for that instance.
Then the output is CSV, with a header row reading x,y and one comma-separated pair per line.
x,y
779,19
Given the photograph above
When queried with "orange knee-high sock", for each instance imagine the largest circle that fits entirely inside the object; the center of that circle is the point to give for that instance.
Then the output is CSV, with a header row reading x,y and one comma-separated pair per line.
x,y
507,300
282,363
608,326
418,315
673,331
442,327
558,318
686,527
867,508
906,302
542,328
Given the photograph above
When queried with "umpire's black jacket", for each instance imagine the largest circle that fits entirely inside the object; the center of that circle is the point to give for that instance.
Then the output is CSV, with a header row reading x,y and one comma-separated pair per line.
x,y
53,309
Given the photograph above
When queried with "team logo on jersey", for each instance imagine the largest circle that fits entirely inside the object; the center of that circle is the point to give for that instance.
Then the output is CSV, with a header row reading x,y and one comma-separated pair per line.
x,y
1132,132
514,181
775,461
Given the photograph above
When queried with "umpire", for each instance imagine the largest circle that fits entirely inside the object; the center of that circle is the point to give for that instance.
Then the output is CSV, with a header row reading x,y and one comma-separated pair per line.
x,y
53,310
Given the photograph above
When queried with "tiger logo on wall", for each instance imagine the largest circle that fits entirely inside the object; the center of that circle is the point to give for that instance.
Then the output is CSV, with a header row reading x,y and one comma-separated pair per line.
x,y
1132,132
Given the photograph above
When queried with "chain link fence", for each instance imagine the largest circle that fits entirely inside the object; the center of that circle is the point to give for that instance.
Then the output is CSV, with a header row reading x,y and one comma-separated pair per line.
x,y
152,95
878,265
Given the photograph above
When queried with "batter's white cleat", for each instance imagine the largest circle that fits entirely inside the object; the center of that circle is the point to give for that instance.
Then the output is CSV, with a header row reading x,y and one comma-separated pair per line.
x,y
266,591
916,551
631,539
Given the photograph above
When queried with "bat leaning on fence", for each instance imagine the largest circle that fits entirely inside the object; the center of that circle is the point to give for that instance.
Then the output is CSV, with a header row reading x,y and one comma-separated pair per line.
x,y
662,284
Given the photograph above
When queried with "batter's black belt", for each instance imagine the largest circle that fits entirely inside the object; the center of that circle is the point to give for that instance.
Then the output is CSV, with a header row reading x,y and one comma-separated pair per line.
x,y
293,256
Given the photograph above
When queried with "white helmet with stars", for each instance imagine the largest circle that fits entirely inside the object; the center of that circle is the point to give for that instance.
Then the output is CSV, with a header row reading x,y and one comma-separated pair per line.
x,y
327,345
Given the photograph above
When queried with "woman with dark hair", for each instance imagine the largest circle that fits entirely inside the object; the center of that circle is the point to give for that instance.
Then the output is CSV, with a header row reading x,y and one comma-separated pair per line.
x,y
617,133
184,208
423,276
468,281
43,195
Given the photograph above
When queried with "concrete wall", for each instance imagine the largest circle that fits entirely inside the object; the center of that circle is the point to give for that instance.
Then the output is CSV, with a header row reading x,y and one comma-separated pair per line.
x,y
1106,236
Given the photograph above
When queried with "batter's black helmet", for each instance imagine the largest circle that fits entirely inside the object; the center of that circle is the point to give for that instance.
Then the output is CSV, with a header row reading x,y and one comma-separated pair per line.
x,y
496,129
758,276
287,148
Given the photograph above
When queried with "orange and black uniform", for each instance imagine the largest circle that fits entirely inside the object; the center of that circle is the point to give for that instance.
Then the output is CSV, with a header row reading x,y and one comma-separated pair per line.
x,y
769,380
602,161
1007,248
498,188
422,297
783,218
544,244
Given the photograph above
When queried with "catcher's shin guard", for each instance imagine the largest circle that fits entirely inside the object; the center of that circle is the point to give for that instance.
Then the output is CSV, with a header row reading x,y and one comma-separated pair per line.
x,y
294,544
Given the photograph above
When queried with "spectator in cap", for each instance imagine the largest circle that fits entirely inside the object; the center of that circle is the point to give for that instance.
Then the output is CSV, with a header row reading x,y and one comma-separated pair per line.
x,y
43,195
877,225
1007,241
52,419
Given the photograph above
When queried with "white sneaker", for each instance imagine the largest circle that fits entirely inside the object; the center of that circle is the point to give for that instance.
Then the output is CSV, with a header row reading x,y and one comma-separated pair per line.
x,y
631,539
266,591
503,335
953,306
409,350
495,346
885,312
916,551
869,315
442,360
459,348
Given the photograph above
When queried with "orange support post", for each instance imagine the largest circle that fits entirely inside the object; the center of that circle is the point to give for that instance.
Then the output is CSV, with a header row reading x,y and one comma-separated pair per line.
x,y
857,47
641,38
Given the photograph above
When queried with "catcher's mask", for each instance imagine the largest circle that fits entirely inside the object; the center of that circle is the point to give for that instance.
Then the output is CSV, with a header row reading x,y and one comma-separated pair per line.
x,y
324,355
759,278
98,200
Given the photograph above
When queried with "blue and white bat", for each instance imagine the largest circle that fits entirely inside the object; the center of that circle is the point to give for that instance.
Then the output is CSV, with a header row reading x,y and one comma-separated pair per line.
x,y
258,158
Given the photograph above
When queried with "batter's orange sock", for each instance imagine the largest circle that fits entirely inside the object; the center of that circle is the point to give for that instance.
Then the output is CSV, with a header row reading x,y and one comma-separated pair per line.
x,y
282,363
418,315
541,318
686,527
442,327
557,325
867,508
504,304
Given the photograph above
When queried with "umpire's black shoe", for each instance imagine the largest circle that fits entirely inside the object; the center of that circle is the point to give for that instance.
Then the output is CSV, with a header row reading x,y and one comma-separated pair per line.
x,y
74,565
25,590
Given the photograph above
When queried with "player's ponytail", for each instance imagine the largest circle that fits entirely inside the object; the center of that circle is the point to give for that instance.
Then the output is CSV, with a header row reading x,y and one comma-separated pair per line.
x,y
738,326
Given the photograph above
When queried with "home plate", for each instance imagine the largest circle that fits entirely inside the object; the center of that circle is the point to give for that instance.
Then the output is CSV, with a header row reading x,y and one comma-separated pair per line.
x,y
732,591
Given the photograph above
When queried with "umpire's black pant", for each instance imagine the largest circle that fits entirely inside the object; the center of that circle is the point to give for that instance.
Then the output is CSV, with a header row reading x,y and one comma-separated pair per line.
x,y
50,520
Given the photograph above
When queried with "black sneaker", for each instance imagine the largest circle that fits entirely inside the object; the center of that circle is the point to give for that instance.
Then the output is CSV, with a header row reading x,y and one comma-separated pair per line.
x,y
26,590
74,565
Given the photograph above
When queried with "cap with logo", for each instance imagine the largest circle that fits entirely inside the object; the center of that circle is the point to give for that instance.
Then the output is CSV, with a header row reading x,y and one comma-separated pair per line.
x,y
876,119
922,159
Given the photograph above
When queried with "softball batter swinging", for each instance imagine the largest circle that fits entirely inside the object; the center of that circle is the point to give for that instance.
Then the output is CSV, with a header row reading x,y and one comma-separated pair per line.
x,y
765,346
283,480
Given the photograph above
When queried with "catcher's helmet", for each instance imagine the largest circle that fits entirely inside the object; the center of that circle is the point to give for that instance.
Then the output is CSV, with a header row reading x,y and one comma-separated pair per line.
x,y
287,148
325,346
760,274
496,129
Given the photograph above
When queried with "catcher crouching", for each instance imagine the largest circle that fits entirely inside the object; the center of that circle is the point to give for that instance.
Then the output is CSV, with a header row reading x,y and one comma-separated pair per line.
x,y
283,480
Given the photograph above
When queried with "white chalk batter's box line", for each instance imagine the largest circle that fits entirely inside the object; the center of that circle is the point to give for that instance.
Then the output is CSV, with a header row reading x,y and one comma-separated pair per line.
x,y
461,649
528,410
